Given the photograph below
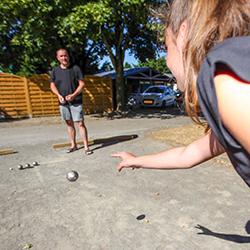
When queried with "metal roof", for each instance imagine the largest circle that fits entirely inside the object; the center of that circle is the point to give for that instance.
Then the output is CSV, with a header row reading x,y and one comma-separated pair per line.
x,y
132,72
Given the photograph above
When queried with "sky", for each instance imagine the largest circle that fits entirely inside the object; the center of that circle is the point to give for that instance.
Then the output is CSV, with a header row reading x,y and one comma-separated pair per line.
x,y
128,58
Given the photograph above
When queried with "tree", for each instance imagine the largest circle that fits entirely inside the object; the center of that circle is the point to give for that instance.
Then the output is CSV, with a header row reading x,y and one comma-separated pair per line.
x,y
120,25
31,33
127,65
106,66
157,64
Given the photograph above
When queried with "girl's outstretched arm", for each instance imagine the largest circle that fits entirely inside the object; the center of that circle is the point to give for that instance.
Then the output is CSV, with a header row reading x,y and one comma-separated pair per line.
x,y
195,153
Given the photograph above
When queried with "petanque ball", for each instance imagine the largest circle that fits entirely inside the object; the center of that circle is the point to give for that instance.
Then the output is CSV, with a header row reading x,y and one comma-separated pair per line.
x,y
27,165
72,175
34,163
20,166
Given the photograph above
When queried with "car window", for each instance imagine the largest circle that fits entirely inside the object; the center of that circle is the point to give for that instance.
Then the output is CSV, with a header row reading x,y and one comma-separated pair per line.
x,y
154,90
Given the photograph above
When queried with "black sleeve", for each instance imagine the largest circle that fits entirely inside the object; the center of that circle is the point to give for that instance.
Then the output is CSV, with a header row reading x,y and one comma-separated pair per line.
x,y
234,54
52,76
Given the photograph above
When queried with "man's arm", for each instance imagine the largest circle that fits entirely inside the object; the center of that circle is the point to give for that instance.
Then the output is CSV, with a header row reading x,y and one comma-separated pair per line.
x,y
79,89
195,153
56,92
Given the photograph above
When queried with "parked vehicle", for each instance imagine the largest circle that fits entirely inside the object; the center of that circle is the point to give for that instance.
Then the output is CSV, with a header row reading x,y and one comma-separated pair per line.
x,y
158,96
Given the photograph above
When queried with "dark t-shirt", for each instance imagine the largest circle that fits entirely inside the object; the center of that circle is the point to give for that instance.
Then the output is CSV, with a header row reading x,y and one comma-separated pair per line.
x,y
66,81
234,53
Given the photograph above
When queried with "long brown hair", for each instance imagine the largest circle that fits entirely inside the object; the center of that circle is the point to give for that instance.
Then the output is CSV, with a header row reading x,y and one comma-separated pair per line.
x,y
209,22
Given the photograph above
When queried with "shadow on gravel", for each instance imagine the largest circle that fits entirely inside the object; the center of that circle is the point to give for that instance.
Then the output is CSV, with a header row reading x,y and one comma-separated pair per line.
x,y
104,142
229,237
4,117
166,113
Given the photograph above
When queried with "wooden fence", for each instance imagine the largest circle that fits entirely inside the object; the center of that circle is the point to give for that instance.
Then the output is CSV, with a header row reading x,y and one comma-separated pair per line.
x,y
32,97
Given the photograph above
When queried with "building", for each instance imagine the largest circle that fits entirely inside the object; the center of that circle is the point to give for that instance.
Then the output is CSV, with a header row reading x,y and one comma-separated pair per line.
x,y
138,79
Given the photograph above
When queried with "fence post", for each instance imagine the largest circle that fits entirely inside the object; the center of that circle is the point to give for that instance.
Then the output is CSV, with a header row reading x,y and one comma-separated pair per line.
x,y
27,97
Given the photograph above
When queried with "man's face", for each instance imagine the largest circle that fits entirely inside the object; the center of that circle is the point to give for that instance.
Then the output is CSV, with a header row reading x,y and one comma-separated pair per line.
x,y
63,57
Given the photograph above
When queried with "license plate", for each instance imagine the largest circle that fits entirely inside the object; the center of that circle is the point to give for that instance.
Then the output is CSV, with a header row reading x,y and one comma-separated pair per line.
x,y
148,101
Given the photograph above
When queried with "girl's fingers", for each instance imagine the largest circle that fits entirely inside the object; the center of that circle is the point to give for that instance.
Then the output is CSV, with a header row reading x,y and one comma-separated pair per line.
x,y
120,167
115,154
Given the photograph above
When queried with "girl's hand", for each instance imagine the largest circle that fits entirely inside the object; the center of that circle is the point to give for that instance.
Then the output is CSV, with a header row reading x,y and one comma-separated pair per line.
x,y
127,160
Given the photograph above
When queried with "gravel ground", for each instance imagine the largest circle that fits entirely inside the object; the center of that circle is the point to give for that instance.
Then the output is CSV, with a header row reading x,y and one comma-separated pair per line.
x,y
41,209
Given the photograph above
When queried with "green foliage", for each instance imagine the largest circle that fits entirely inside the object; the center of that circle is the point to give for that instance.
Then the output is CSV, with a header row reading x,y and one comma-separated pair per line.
x,y
121,25
158,64
32,30
30,35
127,65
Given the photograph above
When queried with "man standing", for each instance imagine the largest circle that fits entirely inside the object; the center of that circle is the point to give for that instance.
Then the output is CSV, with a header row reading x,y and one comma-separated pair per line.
x,y
67,83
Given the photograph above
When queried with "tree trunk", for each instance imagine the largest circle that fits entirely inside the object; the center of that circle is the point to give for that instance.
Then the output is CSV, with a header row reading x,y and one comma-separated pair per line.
x,y
120,88
117,61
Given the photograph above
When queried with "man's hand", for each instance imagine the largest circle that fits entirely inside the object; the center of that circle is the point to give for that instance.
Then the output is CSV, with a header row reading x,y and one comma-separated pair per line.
x,y
70,98
61,99
127,160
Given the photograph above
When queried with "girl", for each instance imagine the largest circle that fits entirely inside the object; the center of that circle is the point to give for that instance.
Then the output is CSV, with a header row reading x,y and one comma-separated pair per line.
x,y
208,46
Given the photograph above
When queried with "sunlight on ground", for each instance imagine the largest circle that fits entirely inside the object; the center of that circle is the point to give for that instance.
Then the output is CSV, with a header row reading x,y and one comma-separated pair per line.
x,y
183,135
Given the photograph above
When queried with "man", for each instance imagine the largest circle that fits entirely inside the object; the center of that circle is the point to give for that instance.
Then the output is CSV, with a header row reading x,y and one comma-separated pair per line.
x,y
67,83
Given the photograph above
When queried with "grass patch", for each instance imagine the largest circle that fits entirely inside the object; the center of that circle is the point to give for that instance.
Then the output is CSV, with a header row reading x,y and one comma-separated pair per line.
x,y
184,135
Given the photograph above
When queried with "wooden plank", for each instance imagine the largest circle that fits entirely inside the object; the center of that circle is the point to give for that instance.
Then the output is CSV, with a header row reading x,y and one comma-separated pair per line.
x,y
9,91
39,113
11,84
14,105
12,80
27,97
8,96
45,106
67,144
6,151
35,107
42,97
12,101
46,112
98,141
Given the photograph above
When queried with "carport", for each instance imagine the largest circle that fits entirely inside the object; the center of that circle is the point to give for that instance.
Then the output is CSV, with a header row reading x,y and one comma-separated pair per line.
x,y
138,79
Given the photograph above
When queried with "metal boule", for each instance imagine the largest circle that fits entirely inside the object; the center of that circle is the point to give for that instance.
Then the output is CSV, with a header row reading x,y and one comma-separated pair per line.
x,y
35,163
27,165
72,175
20,166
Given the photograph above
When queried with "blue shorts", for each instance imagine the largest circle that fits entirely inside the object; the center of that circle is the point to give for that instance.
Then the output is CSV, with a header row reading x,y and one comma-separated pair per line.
x,y
72,112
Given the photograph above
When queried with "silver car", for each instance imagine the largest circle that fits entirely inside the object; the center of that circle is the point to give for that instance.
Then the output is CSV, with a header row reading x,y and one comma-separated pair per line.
x,y
158,96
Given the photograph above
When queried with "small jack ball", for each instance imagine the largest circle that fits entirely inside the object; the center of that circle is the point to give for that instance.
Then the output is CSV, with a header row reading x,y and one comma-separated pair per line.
x,y
34,163
72,175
